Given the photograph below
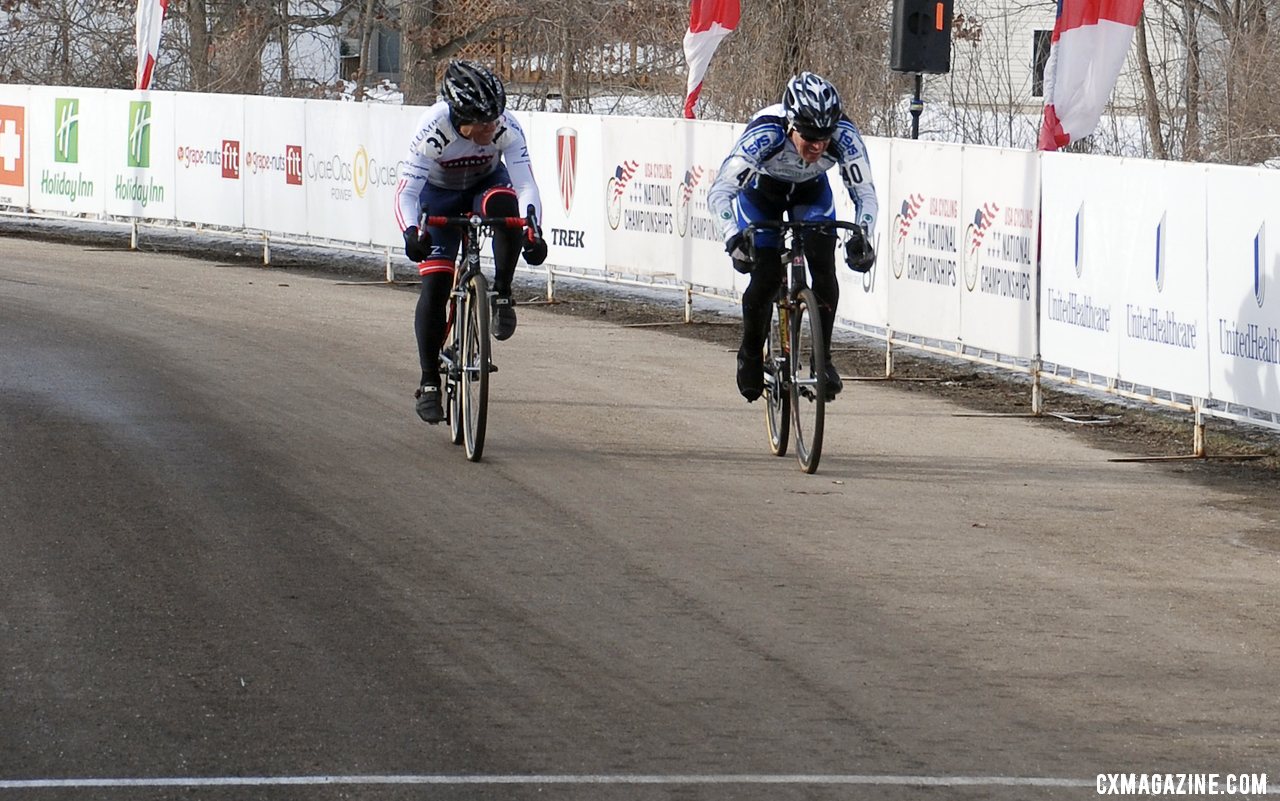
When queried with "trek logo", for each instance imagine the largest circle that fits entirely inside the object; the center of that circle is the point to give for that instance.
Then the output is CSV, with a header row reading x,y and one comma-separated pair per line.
x,y
66,130
11,166
567,159
140,134
293,164
230,159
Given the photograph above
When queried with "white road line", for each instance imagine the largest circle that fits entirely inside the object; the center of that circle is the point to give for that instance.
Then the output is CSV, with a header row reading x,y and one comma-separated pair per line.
x,y
615,779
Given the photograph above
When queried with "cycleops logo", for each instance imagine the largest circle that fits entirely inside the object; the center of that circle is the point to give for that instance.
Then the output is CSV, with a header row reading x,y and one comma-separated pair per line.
x,y
976,232
1260,265
66,130
685,196
567,164
615,188
902,223
139,134
11,139
350,179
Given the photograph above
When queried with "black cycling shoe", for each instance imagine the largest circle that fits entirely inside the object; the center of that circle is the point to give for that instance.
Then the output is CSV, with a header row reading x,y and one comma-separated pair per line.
x,y
429,408
750,376
504,317
834,384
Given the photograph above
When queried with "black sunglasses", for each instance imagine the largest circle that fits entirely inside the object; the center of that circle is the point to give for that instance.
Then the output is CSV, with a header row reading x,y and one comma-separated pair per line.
x,y
806,137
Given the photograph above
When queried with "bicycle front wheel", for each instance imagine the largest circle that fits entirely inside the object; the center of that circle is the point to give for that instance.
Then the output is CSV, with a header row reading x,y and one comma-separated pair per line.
x,y
777,395
808,379
474,361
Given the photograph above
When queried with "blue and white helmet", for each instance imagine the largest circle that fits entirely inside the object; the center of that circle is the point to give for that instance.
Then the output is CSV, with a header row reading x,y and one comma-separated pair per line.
x,y
812,105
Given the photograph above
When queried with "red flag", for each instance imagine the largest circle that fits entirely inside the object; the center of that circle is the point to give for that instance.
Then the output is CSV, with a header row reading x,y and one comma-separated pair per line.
x,y
1090,41
709,22
147,22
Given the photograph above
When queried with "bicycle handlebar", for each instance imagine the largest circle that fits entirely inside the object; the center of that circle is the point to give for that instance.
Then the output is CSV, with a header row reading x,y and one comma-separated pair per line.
x,y
801,225
469,220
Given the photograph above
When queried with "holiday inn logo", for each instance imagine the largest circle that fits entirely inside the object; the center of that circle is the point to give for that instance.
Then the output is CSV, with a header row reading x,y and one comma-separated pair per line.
x,y
66,130
140,134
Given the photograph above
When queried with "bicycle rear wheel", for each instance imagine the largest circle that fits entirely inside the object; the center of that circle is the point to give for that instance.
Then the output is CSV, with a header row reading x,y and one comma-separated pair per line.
x,y
777,396
474,380
808,379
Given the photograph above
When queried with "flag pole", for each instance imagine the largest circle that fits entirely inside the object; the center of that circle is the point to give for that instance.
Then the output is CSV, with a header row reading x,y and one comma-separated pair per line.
x,y
917,106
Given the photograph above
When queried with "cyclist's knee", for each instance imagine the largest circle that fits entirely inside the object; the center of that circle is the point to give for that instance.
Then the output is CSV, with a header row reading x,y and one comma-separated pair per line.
x,y
500,203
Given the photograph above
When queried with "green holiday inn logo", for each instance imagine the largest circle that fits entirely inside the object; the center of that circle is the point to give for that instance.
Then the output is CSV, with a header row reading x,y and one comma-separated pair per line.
x,y
140,133
66,130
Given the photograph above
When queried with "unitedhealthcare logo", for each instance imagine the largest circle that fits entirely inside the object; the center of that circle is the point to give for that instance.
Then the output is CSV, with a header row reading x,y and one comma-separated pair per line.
x,y
1160,251
1079,251
1259,265
140,134
66,130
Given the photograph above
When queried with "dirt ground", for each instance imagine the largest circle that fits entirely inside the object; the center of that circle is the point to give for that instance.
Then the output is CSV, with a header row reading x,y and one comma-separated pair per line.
x,y
1243,458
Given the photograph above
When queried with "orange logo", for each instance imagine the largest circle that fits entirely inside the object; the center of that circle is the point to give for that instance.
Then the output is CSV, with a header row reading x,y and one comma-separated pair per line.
x,y
12,169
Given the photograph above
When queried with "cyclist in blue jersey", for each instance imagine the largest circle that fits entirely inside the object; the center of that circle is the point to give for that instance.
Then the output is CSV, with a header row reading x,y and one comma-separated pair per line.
x,y
779,166
468,155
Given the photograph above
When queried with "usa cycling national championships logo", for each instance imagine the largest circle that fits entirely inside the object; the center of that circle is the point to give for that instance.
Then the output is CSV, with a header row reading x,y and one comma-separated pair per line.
x,y
974,235
902,222
614,190
567,164
685,196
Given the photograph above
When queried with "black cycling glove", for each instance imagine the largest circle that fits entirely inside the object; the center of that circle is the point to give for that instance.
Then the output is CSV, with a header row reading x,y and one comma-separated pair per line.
x,y
417,246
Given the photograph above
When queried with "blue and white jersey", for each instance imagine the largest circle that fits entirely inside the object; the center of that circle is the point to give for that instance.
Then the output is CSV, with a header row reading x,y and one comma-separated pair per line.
x,y
765,151
444,158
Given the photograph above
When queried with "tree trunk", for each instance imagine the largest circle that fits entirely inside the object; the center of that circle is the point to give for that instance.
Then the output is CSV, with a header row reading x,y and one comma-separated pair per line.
x,y
286,75
366,39
1154,129
1192,145
198,31
417,59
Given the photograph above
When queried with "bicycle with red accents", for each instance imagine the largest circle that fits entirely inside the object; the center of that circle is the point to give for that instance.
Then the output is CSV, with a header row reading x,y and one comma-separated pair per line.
x,y
466,361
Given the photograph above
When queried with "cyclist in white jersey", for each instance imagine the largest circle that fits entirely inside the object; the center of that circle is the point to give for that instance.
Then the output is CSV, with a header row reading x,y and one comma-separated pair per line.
x,y
779,166
456,166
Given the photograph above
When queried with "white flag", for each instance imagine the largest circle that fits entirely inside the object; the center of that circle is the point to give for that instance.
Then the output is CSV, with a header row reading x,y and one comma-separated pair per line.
x,y
149,18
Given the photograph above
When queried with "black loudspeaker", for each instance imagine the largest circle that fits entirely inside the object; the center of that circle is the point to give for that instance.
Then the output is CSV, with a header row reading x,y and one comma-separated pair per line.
x,y
921,40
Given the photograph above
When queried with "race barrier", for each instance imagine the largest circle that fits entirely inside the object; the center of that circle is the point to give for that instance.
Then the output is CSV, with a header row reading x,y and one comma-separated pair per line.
x,y
1142,278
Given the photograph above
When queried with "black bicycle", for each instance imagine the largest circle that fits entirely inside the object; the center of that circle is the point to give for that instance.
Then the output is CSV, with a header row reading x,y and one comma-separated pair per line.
x,y
466,361
795,353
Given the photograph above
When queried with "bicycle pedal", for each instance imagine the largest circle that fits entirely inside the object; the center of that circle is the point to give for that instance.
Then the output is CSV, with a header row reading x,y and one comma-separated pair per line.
x,y
493,368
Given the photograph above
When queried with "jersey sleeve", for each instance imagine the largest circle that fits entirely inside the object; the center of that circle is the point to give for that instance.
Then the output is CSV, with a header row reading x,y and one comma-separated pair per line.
x,y
515,152
762,137
855,172
423,149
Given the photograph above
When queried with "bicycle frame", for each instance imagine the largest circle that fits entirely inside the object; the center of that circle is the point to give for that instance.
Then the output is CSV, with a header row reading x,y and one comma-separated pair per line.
x,y
466,362
795,383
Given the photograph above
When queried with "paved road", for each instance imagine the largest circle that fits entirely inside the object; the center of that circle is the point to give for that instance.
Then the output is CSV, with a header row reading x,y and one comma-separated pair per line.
x,y
229,552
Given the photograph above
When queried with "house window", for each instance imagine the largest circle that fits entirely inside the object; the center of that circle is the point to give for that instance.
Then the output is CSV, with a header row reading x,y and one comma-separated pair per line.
x,y
1039,57
388,51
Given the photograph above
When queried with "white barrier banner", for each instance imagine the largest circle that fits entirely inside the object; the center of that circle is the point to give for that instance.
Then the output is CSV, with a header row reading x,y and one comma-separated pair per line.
x,y
1158,254
864,297
377,168
337,134
924,239
14,140
567,155
139,146
1243,212
1079,274
641,159
704,146
999,215
67,129
273,165
208,158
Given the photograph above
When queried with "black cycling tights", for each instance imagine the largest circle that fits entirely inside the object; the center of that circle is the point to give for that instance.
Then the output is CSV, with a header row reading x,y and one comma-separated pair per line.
x,y
429,320
757,300
506,242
